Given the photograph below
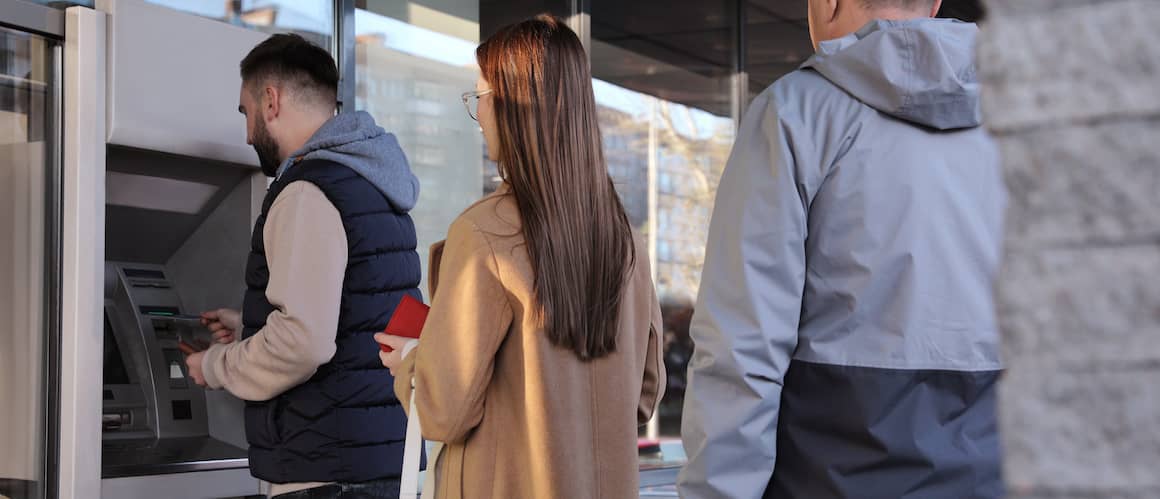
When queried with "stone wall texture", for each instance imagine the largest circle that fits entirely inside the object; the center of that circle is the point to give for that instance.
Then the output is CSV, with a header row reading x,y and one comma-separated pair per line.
x,y
1072,93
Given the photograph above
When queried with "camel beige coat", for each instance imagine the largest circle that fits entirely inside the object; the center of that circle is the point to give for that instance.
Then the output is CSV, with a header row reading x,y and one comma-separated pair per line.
x,y
520,417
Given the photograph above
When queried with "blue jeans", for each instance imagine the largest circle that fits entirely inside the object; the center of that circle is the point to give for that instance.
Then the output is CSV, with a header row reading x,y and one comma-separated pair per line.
x,y
387,488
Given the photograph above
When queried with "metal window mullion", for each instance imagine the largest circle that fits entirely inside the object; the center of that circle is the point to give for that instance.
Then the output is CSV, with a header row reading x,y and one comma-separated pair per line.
x,y
343,46
739,87
581,22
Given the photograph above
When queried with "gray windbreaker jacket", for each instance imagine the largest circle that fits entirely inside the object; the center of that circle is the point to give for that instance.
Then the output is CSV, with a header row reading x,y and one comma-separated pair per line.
x,y
846,340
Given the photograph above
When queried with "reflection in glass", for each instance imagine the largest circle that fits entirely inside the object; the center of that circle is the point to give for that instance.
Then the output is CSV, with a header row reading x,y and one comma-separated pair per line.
x,y
684,151
313,19
663,92
26,89
777,41
413,64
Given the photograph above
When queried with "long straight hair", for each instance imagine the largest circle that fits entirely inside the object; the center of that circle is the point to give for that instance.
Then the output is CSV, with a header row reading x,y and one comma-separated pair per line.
x,y
578,236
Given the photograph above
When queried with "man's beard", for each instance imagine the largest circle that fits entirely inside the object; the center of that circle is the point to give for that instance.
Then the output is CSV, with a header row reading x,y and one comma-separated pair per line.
x,y
267,150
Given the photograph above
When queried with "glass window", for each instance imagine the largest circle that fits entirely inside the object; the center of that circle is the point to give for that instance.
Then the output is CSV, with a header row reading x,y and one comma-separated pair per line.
x,y
313,19
26,90
663,75
664,251
777,41
413,61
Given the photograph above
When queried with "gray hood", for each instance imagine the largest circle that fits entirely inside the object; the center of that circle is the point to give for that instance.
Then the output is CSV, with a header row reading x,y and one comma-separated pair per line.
x,y
355,141
919,70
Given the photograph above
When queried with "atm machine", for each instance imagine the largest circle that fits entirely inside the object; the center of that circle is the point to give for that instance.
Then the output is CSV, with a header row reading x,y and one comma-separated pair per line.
x,y
161,196
154,419
175,237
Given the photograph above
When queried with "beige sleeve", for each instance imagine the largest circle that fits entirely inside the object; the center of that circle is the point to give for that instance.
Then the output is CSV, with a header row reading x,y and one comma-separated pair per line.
x,y
306,250
453,362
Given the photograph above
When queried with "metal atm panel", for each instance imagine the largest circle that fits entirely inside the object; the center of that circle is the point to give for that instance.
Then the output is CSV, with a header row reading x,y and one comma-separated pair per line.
x,y
149,379
113,136
176,240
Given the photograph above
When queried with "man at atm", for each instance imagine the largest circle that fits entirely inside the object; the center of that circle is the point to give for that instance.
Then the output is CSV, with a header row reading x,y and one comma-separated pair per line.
x,y
332,254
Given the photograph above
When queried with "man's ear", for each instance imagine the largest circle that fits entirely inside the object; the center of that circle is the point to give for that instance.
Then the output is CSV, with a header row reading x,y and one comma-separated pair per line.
x,y
272,106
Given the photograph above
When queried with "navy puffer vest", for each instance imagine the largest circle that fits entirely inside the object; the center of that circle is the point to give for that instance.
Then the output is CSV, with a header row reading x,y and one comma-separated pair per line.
x,y
344,424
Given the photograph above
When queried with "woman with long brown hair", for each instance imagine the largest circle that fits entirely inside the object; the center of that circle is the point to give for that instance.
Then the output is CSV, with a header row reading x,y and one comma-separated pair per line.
x,y
541,354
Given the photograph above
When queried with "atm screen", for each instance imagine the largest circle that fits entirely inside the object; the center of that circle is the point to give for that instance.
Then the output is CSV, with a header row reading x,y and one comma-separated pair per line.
x,y
115,372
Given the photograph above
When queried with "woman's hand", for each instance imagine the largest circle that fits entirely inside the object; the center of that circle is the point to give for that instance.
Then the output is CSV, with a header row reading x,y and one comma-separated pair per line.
x,y
395,357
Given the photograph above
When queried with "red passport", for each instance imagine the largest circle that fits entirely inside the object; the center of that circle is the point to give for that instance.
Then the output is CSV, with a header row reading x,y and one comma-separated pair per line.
x,y
407,321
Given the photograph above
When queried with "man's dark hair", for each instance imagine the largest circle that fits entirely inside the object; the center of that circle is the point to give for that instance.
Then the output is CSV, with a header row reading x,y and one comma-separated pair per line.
x,y
295,63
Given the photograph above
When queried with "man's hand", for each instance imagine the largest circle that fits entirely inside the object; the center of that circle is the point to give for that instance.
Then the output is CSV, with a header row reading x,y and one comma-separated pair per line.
x,y
193,365
224,323
395,357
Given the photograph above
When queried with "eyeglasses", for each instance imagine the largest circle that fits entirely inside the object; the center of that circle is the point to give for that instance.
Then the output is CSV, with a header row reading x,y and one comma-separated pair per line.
x,y
471,102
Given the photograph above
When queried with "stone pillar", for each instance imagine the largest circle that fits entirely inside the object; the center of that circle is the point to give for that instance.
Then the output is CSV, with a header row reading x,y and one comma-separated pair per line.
x,y
1072,93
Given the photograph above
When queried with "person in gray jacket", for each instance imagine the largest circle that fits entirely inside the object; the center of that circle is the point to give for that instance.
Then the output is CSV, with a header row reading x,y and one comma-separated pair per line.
x,y
846,339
